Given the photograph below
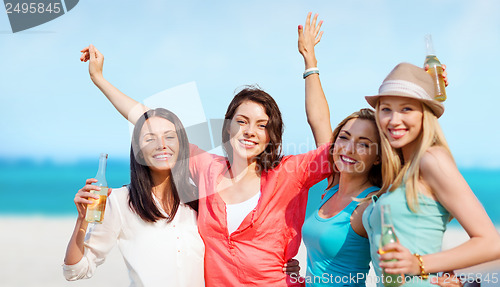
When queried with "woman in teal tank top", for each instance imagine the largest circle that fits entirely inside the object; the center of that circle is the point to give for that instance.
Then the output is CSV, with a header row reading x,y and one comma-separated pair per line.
x,y
422,185
338,251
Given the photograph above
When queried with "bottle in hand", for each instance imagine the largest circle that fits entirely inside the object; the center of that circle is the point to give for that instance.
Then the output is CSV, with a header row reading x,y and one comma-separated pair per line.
x,y
435,70
388,236
95,211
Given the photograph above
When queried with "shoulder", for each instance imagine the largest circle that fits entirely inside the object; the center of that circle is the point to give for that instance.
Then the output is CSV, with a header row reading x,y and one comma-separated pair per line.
x,y
435,160
119,194
364,202
438,169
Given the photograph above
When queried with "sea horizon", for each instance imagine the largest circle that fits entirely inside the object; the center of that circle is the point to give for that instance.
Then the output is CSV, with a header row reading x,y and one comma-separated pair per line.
x,y
47,187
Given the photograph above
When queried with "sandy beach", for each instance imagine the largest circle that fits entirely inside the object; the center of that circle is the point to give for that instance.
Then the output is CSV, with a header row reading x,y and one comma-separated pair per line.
x,y
33,250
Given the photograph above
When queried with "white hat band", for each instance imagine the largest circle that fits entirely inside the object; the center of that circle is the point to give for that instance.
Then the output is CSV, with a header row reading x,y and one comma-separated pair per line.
x,y
402,86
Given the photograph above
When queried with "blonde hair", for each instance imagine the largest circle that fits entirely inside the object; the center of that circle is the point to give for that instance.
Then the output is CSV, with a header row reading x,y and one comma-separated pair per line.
x,y
395,171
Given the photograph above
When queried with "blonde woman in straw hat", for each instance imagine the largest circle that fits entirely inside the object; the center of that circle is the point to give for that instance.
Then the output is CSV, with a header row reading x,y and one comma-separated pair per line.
x,y
422,186
319,119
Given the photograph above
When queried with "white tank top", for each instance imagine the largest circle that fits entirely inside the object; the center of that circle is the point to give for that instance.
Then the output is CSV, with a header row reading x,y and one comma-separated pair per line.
x,y
236,213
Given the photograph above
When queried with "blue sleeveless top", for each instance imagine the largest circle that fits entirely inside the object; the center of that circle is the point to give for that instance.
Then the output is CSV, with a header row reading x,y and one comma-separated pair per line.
x,y
421,232
336,254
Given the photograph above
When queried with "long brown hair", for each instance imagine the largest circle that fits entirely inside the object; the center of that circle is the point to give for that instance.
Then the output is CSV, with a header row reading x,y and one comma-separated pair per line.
x,y
375,173
271,156
141,198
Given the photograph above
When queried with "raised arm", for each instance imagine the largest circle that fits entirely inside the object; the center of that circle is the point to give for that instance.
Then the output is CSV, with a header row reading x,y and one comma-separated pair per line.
x,y
317,111
128,107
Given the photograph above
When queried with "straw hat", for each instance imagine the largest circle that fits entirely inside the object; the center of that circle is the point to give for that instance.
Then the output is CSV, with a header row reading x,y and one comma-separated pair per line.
x,y
410,81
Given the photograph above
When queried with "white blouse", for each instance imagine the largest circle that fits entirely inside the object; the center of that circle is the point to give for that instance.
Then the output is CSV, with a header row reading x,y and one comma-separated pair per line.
x,y
156,254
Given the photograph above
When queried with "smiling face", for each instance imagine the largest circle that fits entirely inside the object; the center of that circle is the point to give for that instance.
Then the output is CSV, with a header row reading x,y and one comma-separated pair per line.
x,y
159,144
247,130
400,119
356,147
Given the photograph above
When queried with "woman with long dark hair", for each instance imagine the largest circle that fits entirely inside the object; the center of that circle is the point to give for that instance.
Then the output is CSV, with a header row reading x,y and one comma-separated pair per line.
x,y
153,220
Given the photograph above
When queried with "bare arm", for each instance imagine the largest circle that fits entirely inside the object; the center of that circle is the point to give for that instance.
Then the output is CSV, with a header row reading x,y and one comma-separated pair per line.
x,y
317,111
75,250
128,107
441,174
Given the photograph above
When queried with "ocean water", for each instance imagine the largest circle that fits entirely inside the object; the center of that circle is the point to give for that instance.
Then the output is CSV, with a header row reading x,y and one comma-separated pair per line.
x,y
48,188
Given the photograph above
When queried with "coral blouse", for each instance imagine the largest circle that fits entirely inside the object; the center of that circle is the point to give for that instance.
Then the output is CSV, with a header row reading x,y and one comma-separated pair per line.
x,y
270,234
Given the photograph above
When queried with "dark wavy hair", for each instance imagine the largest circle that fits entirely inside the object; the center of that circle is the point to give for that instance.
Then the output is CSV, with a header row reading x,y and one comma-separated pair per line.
x,y
375,173
272,155
141,198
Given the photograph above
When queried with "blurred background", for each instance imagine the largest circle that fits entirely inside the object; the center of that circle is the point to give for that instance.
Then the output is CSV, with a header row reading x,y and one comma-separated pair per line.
x,y
55,122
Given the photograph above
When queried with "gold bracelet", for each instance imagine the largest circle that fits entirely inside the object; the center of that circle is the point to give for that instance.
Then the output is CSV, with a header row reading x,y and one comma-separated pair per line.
x,y
423,275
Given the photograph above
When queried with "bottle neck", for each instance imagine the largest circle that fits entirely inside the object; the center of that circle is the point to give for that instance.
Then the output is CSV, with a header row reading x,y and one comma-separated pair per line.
x,y
429,47
386,216
101,172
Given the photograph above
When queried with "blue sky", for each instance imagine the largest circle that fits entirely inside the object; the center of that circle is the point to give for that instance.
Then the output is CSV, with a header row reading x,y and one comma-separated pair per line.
x,y
51,110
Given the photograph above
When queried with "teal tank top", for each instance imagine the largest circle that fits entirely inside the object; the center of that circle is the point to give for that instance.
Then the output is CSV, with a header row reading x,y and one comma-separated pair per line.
x,y
336,254
421,232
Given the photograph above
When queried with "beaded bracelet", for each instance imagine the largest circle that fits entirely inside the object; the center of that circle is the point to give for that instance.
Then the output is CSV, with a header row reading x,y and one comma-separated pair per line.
x,y
423,274
310,71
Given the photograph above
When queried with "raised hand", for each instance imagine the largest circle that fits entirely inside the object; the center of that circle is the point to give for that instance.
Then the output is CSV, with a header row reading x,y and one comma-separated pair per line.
x,y
445,74
96,61
309,36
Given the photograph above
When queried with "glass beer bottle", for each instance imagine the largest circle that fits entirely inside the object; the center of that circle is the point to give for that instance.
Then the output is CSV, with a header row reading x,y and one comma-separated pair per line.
x,y
388,236
435,70
95,211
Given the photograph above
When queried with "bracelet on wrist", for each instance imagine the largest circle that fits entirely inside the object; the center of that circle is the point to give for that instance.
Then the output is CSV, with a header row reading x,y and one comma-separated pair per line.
x,y
310,71
423,274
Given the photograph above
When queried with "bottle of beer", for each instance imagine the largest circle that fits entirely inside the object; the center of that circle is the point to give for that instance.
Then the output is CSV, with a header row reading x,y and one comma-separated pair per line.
x,y
388,236
435,70
95,211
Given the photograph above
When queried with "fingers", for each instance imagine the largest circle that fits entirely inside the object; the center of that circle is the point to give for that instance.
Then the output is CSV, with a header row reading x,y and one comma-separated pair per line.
x,y
85,57
90,180
318,38
316,30
291,267
85,196
98,53
308,21
391,256
391,247
315,19
300,31
92,52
